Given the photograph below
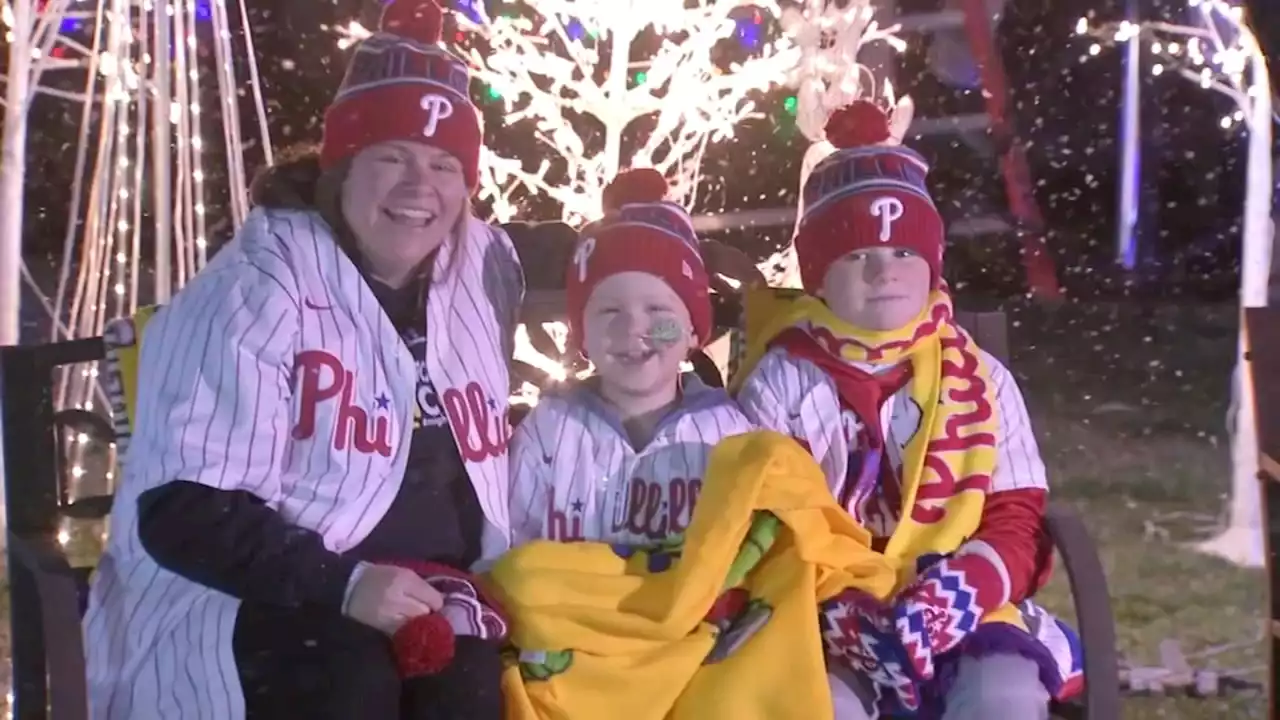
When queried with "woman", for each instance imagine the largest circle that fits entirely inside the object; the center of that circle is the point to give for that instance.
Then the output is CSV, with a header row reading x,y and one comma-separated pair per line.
x,y
324,401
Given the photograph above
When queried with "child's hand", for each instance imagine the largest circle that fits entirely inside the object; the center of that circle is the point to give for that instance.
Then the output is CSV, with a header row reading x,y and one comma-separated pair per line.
x,y
934,614
858,632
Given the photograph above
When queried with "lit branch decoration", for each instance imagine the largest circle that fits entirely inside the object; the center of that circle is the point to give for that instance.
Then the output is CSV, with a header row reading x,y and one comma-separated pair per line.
x,y
544,65
1220,52
827,77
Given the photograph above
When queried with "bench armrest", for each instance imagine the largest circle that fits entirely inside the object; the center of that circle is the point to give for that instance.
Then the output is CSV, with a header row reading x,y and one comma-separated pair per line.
x,y
1092,602
58,592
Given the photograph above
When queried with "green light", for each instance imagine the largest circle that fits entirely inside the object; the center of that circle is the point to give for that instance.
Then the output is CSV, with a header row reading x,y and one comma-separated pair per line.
x,y
641,77
493,93
790,104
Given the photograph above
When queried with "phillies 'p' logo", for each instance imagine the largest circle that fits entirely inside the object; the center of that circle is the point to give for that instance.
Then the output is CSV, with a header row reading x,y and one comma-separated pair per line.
x,y
582,256
889,209
438,108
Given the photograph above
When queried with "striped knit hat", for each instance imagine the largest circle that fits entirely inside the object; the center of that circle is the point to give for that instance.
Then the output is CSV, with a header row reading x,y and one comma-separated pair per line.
x,y
641,231
868,193
403,85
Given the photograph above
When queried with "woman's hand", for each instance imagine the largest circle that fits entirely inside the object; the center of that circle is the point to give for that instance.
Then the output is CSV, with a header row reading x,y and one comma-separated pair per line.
x,y
385,597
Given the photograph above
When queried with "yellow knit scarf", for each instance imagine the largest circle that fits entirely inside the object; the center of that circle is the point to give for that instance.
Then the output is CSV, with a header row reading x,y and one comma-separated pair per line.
x,y
947,465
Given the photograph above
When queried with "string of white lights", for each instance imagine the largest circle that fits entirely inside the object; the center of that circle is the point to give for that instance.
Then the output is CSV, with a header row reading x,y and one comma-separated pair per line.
x,y
139,162
1201,53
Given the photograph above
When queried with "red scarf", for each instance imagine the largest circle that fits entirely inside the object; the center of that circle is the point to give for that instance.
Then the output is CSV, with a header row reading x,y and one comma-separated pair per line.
x,y
864,394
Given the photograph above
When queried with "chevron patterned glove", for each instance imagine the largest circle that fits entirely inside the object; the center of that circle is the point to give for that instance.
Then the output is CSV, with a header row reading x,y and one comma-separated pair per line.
x,y
947,600
858,632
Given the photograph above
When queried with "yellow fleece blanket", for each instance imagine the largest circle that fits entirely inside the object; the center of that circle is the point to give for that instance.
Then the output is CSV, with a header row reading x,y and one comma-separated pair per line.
x,y
602,635
947,466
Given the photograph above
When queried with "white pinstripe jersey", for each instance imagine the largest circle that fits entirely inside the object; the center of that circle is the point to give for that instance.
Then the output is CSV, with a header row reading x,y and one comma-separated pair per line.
x,y
276,371
794,396
576,476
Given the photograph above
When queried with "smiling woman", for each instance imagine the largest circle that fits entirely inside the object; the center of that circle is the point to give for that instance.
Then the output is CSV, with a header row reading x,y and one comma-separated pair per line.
x,y
319,448
401,199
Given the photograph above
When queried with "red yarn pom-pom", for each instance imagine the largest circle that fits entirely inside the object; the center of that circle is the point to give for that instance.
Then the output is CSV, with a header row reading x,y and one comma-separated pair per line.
x,y
424,645
641,185
859,123
418,20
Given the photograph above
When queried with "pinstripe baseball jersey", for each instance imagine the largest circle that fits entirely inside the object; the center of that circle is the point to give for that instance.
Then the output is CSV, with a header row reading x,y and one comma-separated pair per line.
x,y
276,371
576,476
794,396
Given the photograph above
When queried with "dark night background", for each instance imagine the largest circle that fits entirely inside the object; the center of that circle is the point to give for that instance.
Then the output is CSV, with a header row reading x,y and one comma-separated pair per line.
x,y
1067,111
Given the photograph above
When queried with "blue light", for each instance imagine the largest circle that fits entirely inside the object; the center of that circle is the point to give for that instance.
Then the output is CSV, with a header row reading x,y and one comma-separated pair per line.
x,y
575,30
749,33
70,25
204,10
468,8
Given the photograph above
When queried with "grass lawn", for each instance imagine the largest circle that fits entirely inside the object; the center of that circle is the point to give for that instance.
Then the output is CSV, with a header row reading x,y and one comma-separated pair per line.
x,y
1130,414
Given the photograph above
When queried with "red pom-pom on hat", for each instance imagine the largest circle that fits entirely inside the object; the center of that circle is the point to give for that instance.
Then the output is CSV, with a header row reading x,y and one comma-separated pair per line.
x,y
641,185
858,124
417,20
424,645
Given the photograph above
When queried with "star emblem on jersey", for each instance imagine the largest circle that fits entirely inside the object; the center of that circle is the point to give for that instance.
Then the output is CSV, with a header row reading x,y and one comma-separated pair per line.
x,y
383,401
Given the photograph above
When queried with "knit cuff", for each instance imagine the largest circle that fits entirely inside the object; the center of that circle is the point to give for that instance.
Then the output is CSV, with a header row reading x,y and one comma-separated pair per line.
x,y
985,571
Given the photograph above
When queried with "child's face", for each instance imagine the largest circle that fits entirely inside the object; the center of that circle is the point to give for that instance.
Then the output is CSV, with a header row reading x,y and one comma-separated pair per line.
x,y
636,331
880,288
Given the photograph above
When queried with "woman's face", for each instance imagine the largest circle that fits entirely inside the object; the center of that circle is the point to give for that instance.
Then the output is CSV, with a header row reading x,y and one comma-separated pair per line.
x,y
402,199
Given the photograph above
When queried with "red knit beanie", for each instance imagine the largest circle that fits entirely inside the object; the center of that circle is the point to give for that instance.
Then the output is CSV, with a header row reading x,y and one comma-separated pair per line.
x,y
403,85
866,194
640,232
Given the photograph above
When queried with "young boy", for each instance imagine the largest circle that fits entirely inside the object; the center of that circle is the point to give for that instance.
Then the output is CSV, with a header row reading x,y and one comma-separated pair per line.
x,y
619,458
924,439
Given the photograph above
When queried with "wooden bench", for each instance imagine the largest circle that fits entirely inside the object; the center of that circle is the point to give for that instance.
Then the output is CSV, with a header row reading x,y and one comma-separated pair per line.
x,y
47,593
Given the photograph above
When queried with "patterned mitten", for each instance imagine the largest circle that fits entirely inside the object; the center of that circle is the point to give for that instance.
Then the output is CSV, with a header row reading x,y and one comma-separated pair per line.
x,y
858,633
946,602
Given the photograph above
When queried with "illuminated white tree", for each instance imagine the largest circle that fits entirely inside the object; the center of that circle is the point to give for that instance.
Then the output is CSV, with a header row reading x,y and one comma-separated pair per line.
x,y
1219,51
562,64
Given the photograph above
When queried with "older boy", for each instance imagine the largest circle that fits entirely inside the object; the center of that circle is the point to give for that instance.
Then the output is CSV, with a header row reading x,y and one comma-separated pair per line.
x,y
924,438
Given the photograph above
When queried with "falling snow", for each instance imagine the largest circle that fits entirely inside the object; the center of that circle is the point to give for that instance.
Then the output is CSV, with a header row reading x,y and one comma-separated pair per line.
x,y
1142,354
